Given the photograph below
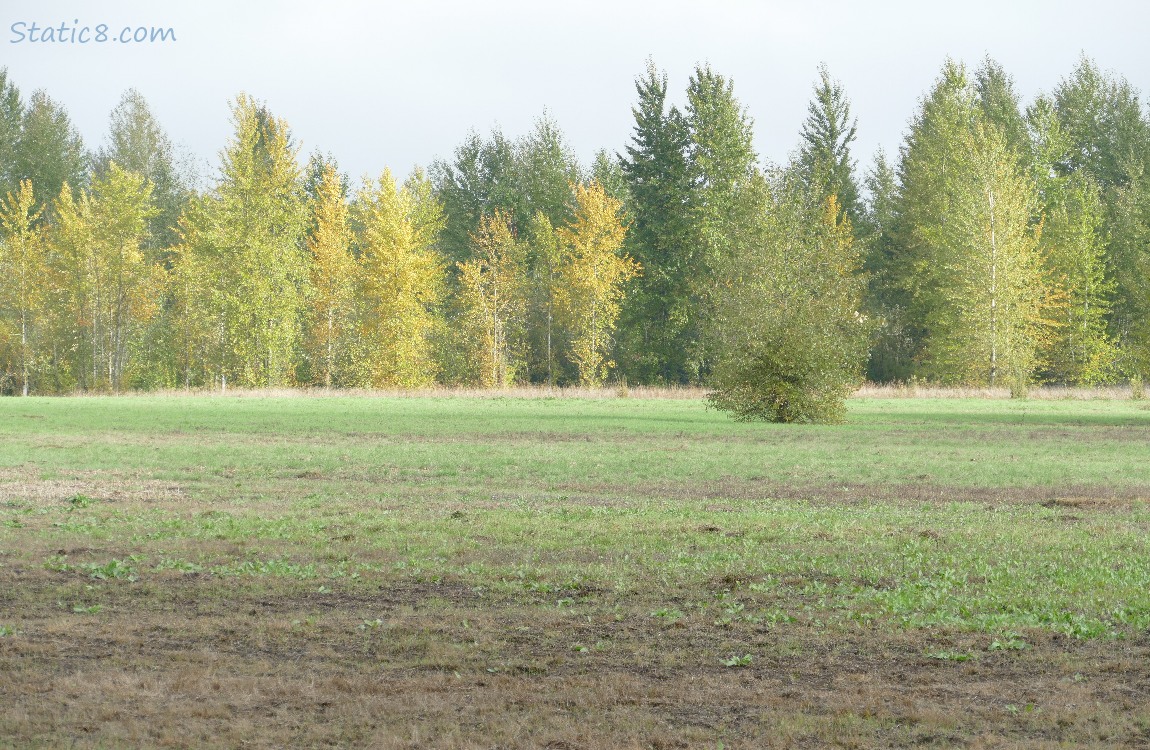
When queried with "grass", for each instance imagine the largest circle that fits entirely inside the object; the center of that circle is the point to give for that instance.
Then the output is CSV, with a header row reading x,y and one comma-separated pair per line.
x,y
567,572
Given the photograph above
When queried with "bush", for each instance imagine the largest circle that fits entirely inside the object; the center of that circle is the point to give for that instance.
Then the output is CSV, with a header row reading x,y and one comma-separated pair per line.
x,y
791,342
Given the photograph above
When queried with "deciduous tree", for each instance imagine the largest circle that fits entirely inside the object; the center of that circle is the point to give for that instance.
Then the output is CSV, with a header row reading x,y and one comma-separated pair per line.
x,y
592,276
23,284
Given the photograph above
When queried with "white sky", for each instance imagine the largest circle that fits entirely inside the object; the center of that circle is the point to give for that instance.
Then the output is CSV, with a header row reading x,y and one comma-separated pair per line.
x,y
389,84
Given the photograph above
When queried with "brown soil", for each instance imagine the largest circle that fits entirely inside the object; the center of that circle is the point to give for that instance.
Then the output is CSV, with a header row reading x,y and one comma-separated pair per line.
x,y
191,661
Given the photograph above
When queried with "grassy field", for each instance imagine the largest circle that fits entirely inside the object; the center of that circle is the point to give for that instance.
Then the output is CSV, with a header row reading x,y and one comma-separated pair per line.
x,y
478,572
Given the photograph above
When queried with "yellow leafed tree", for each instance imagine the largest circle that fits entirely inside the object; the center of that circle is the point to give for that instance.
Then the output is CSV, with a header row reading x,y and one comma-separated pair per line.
x,y
492,291
402,284
592,275
334,274
109,289
22,279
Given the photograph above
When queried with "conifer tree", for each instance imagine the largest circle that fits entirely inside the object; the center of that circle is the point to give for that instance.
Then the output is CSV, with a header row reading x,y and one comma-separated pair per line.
x,y
1080,349
657,315
825,161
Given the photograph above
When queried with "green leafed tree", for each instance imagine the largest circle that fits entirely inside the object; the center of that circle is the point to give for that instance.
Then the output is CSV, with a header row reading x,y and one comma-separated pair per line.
x,y
137,143
248,259
791,340
1080,349
995,303
50,151
11,117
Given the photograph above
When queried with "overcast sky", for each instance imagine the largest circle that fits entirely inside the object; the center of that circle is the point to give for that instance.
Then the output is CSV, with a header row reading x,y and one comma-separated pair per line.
x,y
387,84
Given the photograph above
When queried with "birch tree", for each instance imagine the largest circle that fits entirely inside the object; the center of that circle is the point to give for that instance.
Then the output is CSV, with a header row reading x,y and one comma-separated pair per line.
x,y
23,277
591,280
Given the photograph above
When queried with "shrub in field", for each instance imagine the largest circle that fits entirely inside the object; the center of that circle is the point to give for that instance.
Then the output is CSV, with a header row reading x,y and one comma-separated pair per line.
x,y
791,343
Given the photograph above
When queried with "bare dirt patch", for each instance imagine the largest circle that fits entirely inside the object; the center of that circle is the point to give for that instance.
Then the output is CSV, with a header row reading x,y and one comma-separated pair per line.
x,y
405,665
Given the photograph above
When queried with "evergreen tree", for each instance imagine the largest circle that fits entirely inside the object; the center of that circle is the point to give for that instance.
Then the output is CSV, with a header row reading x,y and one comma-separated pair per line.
x,y
656,319
892,350
825,161
1073,244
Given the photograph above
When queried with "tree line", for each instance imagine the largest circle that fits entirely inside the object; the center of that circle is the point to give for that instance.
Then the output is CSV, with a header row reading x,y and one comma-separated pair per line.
x,y
1006,244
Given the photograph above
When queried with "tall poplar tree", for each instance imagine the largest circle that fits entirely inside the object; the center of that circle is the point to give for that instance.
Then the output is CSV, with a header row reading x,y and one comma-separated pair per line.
x,y
721,163
112,291
247,234
402,277
492,295
334,278
995,304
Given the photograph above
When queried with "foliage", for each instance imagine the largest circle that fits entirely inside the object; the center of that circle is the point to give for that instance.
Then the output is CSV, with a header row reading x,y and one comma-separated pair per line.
x,y
333,281
825,161
245,242
108,291
792,340
591,279
23,270
995,300
50,152
492,294
401,282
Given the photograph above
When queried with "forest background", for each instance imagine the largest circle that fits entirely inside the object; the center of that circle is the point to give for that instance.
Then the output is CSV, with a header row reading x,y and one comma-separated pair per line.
x,y
1005,244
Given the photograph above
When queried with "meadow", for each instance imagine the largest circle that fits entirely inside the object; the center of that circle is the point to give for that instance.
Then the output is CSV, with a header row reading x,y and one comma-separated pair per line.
x,y
523,571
